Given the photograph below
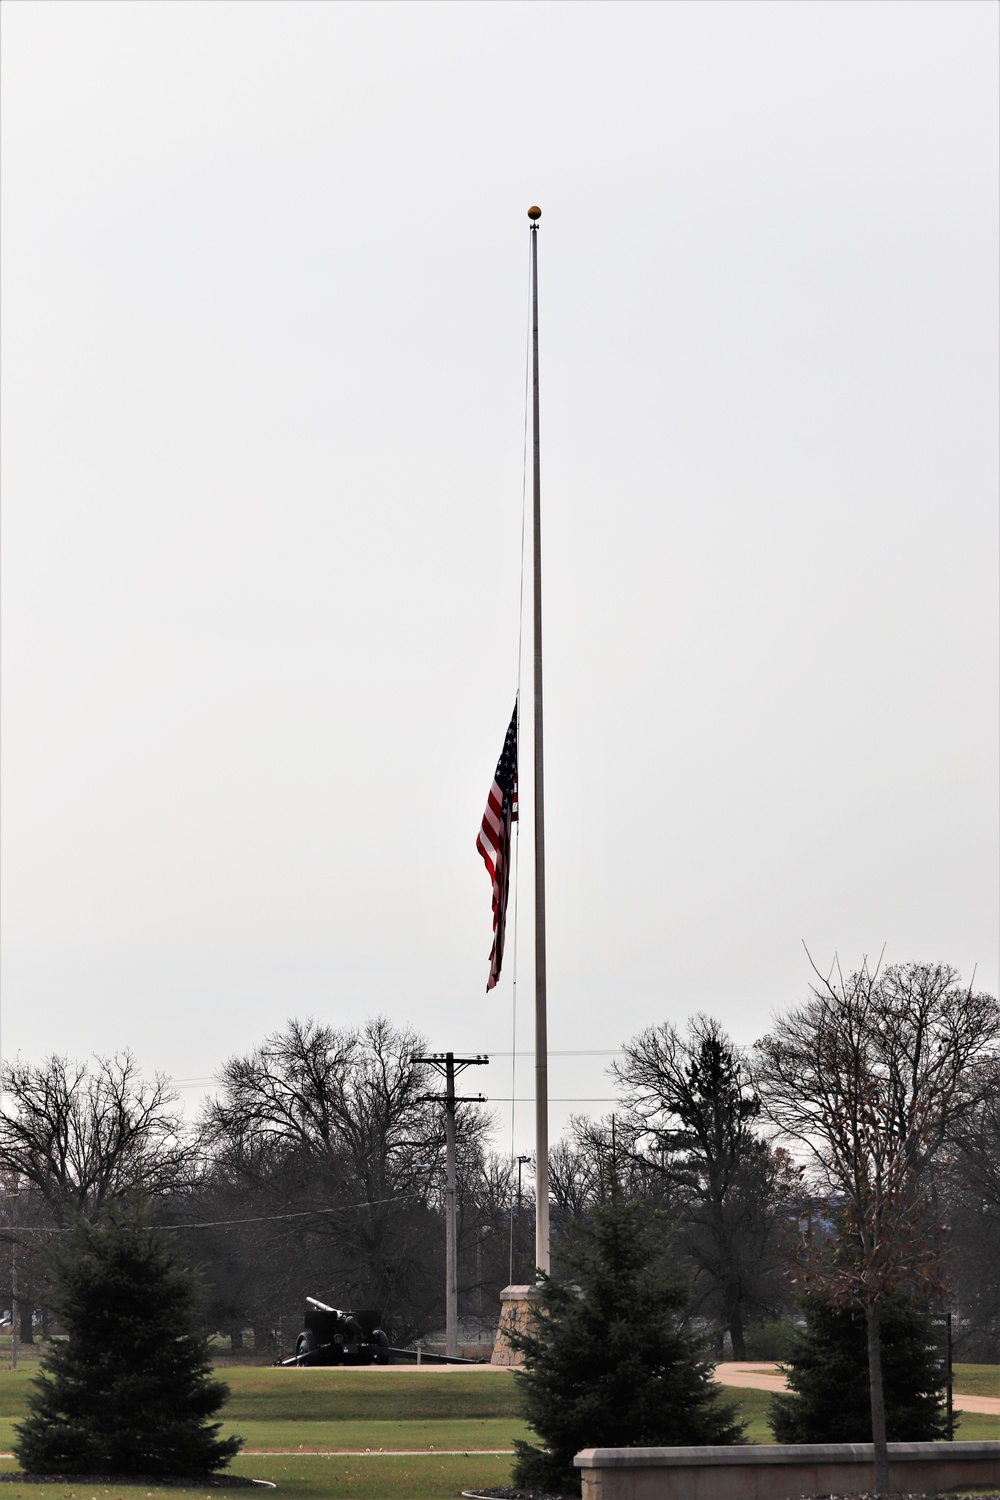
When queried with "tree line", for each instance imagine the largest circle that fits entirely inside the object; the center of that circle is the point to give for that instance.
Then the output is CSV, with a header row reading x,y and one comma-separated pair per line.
x,y
854,1147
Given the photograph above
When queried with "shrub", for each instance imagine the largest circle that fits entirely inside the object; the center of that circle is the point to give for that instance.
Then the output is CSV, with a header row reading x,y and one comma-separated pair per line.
x,y
828,1399
769,1341
606,1361
129,1391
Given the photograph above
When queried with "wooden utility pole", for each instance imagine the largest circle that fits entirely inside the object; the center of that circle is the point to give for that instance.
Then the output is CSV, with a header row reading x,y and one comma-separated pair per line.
x,y
450,1066
15,1303
15,1309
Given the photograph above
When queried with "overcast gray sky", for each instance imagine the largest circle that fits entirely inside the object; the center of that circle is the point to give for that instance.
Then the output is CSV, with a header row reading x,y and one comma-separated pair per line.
x,y
264,282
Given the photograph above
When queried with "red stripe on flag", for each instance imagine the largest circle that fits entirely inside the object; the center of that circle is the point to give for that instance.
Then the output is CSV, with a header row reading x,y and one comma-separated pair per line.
x,y
494,841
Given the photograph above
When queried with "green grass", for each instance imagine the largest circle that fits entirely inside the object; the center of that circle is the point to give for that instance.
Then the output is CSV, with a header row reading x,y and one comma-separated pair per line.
x,y
971,1426
976,1427
288,1436
276,1395
977,1380
269,1394
310,1478
346,1409
310,1437
383,1409
14,1391
752,1407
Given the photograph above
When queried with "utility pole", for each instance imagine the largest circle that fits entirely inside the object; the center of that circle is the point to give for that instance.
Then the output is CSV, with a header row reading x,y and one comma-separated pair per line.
x,y
485,1230
15,1309
949,1376
449,1066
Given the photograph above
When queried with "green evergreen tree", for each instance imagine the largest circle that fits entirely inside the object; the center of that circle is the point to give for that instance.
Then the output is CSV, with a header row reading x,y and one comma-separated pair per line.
x,y
129,1391
827,1371
606,1361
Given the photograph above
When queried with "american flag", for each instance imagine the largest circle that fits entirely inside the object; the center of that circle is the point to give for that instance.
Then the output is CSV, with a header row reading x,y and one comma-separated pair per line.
x,y
494,840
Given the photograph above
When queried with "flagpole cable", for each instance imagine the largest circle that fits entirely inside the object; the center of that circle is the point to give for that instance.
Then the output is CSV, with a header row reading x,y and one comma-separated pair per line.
x,y
517,830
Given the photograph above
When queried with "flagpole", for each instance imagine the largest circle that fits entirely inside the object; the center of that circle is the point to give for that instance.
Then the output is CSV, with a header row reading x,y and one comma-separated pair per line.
x,y
541,1021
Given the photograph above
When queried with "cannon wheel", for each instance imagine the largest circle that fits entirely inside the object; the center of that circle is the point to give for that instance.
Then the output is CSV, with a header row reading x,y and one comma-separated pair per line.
x,y
305,1345
381,1354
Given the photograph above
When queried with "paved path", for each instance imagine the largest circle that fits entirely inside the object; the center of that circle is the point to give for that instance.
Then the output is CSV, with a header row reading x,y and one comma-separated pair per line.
x,y
765,1377
758,1377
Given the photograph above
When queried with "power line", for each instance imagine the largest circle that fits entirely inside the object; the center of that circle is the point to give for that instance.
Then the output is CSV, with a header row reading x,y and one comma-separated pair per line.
x,y
573,1052
304,1213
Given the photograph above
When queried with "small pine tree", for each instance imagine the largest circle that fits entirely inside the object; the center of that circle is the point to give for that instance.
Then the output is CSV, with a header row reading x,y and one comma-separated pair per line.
x,y
606,1362
827,1370
129,1391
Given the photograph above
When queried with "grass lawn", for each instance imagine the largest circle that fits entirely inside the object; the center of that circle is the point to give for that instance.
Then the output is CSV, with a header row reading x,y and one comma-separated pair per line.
x,y
977,1380
752,1407
308,1410
305,1410
326,1437
269,1394
331,1395
976,1427
492,1433
971,1426
284,1437
309,1478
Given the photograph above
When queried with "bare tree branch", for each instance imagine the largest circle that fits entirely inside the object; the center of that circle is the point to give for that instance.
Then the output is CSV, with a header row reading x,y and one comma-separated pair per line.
x,y
870,1077
85,1135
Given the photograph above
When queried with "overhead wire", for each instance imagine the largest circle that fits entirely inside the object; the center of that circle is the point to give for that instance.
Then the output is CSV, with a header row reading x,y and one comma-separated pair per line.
x,y
303,1213
192,1083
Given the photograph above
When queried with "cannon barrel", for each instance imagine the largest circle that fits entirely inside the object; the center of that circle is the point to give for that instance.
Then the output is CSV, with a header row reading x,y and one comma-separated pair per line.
x,y
334,1337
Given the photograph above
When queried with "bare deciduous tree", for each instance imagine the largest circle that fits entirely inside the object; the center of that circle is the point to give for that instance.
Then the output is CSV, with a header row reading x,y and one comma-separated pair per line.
x,y
83,1135
353,1100
574,1175
332,1118
694,1113
870,1077
970,1204
975,1143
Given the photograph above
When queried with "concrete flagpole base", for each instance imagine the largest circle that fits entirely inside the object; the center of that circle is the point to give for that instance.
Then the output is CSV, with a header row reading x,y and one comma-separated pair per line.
x,y
515,1306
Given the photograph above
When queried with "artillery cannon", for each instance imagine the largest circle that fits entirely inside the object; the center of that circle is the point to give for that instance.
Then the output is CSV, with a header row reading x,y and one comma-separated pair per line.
x,y
334,1337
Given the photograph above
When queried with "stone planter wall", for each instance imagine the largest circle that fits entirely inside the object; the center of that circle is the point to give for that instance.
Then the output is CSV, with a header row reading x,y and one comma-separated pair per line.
x,y
779,1472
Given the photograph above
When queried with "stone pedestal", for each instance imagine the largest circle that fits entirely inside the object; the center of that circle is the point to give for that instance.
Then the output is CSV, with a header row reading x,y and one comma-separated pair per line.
x,y
515,1302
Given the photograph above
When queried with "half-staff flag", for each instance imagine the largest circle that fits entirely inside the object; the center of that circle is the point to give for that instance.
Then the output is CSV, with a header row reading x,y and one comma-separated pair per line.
x,y
494,841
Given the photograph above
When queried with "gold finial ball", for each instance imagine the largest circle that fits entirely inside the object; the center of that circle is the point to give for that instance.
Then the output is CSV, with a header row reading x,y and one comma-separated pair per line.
x,y
534,213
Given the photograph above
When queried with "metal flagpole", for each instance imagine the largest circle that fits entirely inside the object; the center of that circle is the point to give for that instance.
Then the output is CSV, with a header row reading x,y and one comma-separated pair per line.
x,y
541,1022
